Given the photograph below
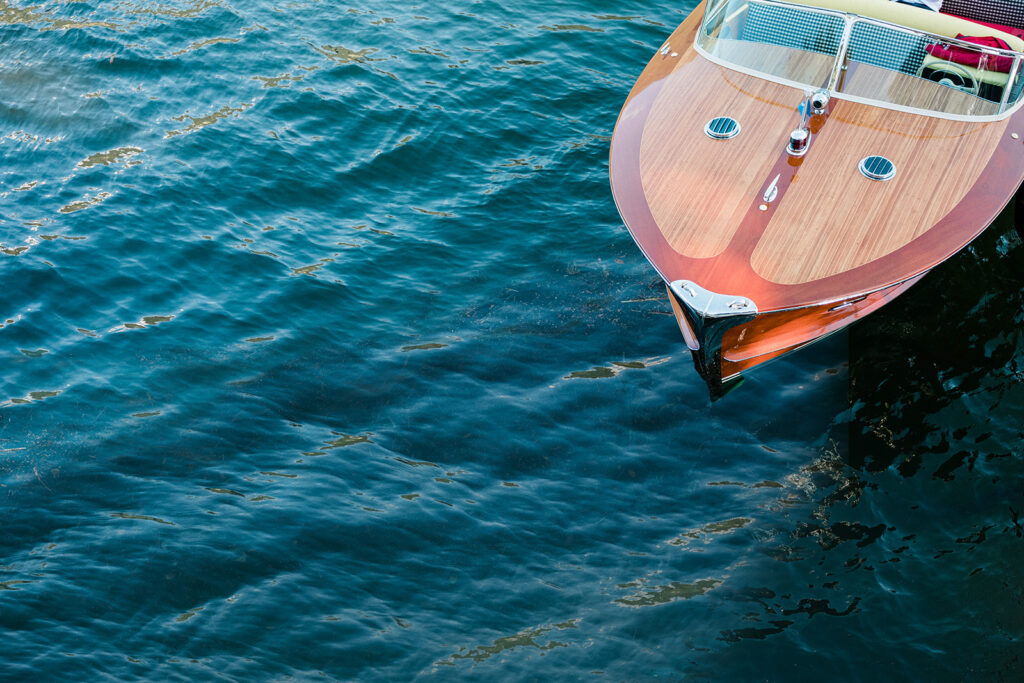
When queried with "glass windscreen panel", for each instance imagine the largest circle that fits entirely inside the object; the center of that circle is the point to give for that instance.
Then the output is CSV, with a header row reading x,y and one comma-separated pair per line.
x,y
913,69
787,42
881,62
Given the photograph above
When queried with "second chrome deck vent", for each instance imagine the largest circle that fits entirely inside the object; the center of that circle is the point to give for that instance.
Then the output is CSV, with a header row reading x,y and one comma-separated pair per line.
x,y
722,128
877,168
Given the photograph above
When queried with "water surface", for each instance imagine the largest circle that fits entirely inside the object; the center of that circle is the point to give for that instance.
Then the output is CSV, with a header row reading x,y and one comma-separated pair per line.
x,y
328,357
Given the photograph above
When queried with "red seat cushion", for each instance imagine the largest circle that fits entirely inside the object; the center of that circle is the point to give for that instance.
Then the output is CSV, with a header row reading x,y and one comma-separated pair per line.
x,y
968,57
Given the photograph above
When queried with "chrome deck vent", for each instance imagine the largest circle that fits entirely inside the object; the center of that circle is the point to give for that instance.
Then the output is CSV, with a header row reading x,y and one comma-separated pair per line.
x,y
722,128
877,168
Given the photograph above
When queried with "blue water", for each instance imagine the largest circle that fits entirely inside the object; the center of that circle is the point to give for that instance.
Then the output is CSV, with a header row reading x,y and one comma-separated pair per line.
x,y
326,356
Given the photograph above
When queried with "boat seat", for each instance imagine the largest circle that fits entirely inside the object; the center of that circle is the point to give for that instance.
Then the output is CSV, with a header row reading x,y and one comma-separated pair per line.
x,y
922,19
774,24
875,44
1007,15
872,44
881,46
1019,32
990,84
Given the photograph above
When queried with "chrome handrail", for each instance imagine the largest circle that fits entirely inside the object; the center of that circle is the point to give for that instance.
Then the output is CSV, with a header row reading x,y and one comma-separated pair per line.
x,y
840,61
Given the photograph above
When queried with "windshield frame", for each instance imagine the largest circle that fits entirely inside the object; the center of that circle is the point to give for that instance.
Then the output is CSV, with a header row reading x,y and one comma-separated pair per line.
x,y
1005,107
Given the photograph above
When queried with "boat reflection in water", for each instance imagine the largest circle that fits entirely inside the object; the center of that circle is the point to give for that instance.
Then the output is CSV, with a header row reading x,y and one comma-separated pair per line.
x,y
789,168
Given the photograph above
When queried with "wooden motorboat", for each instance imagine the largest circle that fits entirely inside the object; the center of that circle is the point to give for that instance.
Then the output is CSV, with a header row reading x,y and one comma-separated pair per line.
x,y
790,167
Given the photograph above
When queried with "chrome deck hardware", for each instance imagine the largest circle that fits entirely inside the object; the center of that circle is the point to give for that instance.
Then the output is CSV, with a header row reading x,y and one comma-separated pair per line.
x,y
773,191
708,304
722,128
877,168
710,315
819,102
798,142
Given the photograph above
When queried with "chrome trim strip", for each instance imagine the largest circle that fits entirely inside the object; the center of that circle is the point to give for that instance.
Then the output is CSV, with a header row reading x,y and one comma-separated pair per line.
x,y
708,304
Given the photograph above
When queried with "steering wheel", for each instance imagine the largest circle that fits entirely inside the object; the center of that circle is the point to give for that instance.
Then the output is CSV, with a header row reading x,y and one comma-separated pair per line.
x,y
955,76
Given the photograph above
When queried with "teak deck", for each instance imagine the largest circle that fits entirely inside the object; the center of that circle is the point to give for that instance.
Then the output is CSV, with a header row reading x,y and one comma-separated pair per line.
x,y
693,204
835,219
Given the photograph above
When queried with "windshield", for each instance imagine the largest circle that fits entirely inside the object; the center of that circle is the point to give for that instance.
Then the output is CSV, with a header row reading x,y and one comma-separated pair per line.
x,y
866,58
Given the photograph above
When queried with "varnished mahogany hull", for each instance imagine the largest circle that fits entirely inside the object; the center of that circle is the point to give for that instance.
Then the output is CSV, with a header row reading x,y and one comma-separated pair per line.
x,y
770,335
833,246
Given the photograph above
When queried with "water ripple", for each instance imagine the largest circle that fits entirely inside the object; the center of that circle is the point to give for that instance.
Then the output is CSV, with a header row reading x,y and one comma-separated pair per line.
x,y
328,356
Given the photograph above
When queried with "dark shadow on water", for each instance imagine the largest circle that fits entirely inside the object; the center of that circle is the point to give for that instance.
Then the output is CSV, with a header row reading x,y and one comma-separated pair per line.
x,y
953,341
895,552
